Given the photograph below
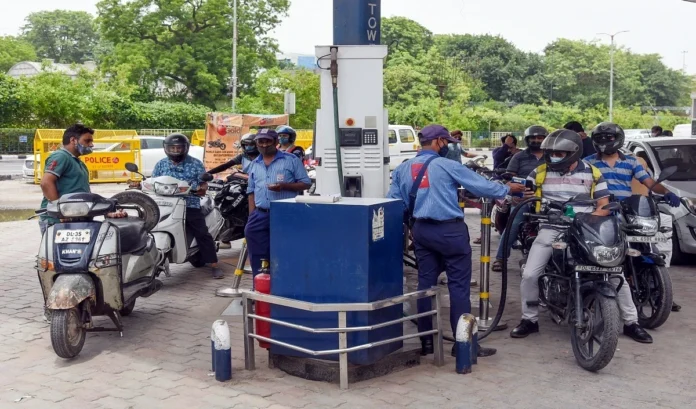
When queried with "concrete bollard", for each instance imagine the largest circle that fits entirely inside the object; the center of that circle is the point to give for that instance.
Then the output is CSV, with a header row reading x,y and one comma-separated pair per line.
x,y
221,351
466,343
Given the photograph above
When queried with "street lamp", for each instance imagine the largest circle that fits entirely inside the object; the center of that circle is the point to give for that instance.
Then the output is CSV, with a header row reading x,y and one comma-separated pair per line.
x,y
233,80
611,74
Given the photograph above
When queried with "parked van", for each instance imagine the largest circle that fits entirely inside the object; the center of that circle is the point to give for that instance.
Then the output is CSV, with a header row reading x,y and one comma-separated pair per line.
x,y
683,130
403,144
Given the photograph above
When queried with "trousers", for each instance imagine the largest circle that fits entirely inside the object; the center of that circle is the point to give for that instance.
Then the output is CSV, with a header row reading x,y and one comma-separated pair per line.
x,y
195,223
539,256
258,238
514,232
445,247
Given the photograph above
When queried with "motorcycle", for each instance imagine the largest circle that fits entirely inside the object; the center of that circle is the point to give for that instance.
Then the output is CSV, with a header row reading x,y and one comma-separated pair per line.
x,y
217,144
171,235
575,287
91,268
646,271
232,200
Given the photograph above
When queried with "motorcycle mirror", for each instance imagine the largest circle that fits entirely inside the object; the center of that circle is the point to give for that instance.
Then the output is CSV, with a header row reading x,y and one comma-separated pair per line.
x,y
664,175
132,167
206,177
612,206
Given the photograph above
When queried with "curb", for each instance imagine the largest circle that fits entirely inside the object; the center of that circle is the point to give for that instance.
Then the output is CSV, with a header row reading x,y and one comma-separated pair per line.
x,y
10,157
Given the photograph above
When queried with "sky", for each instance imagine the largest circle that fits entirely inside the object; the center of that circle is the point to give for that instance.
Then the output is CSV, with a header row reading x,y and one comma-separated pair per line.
x,y
655,26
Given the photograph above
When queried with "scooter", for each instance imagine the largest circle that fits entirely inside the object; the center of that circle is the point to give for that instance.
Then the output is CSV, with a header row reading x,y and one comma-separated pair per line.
x,y
171,236
89,268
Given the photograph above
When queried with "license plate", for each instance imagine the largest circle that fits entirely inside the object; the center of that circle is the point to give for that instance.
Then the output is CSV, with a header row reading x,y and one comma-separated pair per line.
x,y
646,239
73,236
595,269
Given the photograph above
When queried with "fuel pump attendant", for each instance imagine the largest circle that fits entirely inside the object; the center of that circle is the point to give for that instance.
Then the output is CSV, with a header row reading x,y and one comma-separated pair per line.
x,y
273,175
440,235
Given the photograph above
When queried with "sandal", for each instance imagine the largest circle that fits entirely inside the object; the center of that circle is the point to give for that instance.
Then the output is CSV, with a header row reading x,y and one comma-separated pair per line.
x,y
477,241
497,266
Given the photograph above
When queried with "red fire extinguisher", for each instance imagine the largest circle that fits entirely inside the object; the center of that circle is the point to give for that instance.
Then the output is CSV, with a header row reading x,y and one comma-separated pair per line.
x,y
262,284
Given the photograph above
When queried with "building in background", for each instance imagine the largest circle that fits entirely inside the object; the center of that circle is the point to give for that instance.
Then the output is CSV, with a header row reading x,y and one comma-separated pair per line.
x,y
31,68
307,61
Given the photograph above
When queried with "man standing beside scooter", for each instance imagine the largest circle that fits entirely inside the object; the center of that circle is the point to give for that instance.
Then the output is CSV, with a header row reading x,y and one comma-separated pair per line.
x,y
273,175
180,165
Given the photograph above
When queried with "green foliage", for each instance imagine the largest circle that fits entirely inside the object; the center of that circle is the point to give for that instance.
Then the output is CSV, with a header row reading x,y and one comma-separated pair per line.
x,y
14,50
64,36
186,45
404,35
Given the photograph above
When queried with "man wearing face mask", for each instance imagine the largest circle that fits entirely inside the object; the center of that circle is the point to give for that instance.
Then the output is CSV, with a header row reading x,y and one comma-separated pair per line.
x,y
427,185
249,153
65,173
273,175
287,137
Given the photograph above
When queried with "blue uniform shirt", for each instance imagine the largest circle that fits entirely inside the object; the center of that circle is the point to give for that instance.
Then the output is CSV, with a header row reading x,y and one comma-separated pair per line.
x,y
188,170
619,177
437,195
285,168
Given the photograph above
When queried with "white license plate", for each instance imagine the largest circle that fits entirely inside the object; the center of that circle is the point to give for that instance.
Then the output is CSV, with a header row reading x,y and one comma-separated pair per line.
x,y
646,239
73,236
595,269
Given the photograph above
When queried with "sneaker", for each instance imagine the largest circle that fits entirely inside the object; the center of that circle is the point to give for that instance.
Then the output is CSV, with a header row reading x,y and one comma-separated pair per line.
x,y
525,328
217,273
225,245
676,307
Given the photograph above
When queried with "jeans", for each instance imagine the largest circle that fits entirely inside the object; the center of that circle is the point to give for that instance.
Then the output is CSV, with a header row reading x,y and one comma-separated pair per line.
x,y
514,231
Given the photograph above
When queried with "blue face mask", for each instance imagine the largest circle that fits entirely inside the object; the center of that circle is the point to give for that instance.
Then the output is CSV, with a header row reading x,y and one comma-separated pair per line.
x,y
249,148
555,159
82,149
284,140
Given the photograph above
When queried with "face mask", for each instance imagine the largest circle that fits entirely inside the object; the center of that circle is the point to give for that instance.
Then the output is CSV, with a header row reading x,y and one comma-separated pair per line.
x,y
249,148
284,141
82,149
443,151
555,159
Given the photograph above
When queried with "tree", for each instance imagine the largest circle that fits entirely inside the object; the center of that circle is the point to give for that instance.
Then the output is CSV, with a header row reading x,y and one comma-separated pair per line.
x,y
61,35
14,106
186,45
405,35
14,50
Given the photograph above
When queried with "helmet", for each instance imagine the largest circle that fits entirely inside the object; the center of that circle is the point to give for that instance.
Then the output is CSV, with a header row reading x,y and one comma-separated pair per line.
x,y
248,144
534,130
176,140
563,140
608,138
284,129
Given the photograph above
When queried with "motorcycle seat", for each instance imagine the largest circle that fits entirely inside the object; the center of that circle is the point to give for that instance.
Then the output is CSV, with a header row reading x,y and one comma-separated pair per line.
x,y
133,236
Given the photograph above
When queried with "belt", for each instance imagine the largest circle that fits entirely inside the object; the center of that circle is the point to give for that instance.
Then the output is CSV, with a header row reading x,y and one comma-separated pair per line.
x,y
261,209
433,221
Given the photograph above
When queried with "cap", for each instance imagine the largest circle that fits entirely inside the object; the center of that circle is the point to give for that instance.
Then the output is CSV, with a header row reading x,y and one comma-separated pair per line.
x,y
266,134
432,132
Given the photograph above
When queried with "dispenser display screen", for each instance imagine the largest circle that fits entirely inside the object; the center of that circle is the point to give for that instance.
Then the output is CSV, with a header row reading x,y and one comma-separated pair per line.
x,y
369,137
351,136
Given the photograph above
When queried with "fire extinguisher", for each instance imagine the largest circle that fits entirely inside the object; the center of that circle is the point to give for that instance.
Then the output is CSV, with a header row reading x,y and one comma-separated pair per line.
x,y
262,284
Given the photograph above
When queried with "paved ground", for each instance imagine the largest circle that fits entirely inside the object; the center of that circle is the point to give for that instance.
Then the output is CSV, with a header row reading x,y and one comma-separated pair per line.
x,y
11,166
163,359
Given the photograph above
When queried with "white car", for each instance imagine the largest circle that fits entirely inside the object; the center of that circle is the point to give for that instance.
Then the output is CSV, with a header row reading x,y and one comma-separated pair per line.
x,y
403,144
151,148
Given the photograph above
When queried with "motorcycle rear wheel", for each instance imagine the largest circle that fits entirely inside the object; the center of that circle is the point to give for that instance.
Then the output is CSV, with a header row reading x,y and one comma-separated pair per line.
x,y
656,286
594,345
67,333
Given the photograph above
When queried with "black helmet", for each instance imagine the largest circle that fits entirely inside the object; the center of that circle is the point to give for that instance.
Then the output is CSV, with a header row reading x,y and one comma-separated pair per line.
x,y
176,139
608,138
284,129
563,140
534,130
248,144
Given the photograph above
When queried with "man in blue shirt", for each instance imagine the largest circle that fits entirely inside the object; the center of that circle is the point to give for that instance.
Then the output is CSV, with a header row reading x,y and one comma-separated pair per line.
x,y
180,165
440,235
273,175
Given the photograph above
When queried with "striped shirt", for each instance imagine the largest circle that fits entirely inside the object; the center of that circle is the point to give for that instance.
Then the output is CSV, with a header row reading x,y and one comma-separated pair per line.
x,y
563,187
620,176
437,194
284,168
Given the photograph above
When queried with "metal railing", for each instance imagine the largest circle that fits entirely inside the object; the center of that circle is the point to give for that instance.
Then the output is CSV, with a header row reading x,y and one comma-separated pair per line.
x,y
342,309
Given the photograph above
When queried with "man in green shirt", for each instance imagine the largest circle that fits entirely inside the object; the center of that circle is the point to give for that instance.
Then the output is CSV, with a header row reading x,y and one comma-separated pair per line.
x,y
64,172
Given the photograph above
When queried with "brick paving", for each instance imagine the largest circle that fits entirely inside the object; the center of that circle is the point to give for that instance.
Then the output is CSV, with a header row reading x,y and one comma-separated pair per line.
x,y
163,358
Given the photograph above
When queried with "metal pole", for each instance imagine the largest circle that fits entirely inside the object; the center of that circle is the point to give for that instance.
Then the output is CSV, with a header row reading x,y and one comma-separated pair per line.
x,y
233,291
611,83
484,321
234,60
343,356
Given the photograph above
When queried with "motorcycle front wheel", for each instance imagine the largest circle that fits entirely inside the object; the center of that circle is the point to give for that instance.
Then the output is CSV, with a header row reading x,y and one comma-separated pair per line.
x,y
594,345
67,333
653,296
223,146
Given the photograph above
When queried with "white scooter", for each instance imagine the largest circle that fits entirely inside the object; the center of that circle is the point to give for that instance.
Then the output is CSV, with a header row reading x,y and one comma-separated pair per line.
x,y
90,267
171,235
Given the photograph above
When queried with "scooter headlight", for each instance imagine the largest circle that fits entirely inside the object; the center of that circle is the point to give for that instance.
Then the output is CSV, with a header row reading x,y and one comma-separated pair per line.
x,y
649,224
608,256
166,189
77,209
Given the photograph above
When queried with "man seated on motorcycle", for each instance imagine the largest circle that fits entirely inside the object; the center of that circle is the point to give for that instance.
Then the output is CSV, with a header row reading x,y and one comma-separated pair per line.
x,y
619,169
563,176
521,165
180,165
286,138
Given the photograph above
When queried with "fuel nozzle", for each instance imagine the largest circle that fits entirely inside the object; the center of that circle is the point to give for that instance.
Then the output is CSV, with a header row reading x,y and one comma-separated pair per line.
x,y
334,66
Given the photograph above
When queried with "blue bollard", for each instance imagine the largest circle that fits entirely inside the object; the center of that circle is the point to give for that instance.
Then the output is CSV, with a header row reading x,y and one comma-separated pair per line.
x,y
221,351
466,343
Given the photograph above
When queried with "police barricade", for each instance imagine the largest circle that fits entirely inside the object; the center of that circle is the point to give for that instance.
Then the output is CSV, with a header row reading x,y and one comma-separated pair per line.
x,y
107,164
304,138
198,137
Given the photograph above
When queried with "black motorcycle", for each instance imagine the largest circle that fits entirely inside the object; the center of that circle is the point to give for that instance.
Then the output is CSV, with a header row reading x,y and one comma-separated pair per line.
x,y
646,272
576,287
232,200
